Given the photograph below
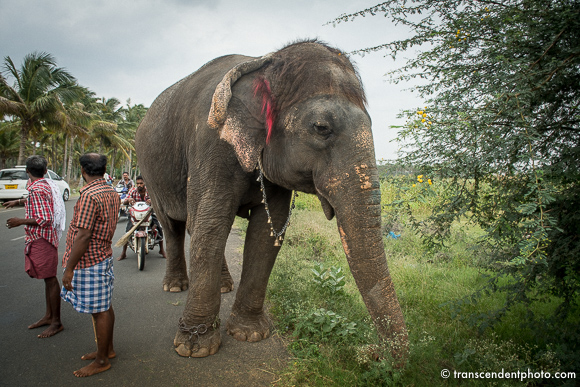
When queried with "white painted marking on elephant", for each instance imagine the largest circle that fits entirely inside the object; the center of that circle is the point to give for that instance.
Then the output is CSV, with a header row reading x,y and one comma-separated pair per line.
x,y
289,120
344,243
364,179
364,139
15,239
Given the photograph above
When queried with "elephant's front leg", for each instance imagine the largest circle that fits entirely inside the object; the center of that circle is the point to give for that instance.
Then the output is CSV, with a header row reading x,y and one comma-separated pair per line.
x,y
198,334
248,321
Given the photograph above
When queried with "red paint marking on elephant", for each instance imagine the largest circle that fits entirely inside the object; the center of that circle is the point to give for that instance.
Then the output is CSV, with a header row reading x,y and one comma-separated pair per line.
x,y
262,87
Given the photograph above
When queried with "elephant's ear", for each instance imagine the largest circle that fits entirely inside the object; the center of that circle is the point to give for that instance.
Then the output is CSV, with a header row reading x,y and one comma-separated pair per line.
x,y
231,129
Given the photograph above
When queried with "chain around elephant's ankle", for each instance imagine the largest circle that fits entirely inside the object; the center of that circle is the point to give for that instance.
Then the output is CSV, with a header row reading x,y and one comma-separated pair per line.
x,y
197,330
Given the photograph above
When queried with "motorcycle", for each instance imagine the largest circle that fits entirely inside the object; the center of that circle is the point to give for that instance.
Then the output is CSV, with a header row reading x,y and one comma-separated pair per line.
x,y
122,191
145,236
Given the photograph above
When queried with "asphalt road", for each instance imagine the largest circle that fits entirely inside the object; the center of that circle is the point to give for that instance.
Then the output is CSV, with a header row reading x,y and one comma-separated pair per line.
x,y
146,323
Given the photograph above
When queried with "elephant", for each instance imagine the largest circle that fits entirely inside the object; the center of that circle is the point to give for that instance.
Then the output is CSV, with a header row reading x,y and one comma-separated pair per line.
x,y
236,138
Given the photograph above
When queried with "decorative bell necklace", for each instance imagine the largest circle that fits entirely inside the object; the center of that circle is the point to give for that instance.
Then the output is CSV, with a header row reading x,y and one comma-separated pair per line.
x,y
273,233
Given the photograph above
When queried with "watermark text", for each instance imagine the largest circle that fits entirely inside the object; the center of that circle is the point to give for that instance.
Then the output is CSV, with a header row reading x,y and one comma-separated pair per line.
x,y
503,374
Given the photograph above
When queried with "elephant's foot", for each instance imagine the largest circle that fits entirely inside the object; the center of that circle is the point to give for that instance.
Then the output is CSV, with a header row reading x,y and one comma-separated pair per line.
x,y
197,341
252,329
175,284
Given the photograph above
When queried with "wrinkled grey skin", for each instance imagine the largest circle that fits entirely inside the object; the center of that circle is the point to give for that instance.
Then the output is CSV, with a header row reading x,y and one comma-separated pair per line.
x,y
199,147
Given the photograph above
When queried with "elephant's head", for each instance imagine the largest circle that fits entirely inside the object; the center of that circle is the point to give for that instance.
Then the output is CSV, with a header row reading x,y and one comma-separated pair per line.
x,y
302,109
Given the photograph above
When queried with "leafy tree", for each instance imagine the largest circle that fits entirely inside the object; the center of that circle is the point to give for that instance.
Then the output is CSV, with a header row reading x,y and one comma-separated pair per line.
x,y
132,117
501,128
8,142
39,91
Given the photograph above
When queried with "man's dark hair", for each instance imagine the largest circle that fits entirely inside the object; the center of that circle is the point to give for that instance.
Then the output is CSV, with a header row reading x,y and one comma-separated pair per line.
x,y
94,164
36,165
139,178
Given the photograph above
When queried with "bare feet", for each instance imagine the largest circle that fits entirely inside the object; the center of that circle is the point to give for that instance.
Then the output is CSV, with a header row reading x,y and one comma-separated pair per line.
x,y
162,252
93,355
92,369
52,330
40,323
121,257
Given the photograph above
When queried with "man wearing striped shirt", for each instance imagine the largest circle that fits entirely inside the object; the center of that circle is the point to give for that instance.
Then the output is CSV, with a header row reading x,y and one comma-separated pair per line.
x,y
41,251
88,260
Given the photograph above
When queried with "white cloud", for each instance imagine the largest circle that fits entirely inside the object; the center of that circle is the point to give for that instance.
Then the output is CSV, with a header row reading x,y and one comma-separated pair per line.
x,y
136,49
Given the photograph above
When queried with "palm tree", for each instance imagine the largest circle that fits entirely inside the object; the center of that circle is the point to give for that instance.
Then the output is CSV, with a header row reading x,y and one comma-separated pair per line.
x,y
8,142
105,131
132,117
39,91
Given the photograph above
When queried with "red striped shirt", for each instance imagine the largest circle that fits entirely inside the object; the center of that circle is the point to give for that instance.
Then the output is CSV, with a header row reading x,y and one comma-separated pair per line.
x,y
39,206
97,210
134,193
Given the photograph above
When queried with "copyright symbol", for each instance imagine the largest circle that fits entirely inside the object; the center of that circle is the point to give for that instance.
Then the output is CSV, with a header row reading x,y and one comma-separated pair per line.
x,y
445,374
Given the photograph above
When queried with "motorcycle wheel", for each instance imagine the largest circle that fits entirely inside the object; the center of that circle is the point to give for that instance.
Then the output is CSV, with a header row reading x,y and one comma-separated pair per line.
x,y
141,251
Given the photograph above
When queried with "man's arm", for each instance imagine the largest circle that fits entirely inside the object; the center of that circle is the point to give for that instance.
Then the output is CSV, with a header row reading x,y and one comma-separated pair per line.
x,y
15,222
78,249
14,203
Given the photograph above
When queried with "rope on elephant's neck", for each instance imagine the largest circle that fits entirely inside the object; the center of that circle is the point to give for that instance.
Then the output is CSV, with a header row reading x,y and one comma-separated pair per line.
x,y
273,233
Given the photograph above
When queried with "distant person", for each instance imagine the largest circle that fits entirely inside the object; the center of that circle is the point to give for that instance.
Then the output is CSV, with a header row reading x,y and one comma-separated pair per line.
x,y
88,260
108,178
44,222
126,181
140,194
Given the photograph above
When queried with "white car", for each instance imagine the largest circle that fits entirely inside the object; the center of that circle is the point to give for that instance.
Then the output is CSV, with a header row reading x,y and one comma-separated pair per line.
x,y
13,183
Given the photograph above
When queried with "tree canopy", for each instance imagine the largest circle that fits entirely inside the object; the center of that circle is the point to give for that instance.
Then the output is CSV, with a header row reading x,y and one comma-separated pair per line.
x,y
49,107
500,129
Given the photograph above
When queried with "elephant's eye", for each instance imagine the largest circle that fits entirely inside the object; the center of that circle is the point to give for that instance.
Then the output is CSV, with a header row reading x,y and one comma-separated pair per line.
x,y
322,128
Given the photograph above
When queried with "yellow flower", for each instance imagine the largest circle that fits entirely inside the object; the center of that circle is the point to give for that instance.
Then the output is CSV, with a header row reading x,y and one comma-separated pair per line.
x,y
419,176
424,114
429,122
414,185
423,120
430,182
420,112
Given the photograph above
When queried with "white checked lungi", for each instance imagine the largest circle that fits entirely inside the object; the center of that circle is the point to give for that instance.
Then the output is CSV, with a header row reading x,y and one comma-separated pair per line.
x,y
92,288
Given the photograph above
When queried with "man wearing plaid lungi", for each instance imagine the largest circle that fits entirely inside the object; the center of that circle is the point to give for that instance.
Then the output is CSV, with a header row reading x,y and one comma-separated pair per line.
x,y
88,260
44,220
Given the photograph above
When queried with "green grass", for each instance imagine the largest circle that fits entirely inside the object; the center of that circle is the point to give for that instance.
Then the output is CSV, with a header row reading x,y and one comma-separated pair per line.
x,y
425,284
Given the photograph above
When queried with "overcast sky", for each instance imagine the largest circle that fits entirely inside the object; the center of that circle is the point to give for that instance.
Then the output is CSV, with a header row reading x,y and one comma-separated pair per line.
x,y
137,48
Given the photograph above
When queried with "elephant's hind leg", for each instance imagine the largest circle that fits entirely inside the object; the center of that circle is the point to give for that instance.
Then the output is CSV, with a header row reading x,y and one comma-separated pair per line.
x,y
176,279
227,280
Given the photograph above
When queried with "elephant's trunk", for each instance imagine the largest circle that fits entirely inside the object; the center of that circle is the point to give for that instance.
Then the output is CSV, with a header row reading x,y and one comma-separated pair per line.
x,y
356,200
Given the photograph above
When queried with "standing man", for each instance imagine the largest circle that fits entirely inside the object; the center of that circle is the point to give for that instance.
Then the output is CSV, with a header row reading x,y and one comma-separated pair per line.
x,y
88,260
43,222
